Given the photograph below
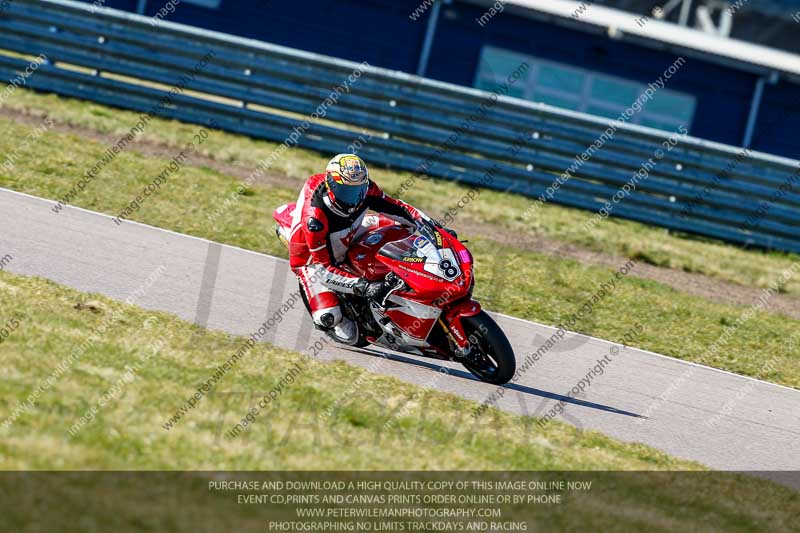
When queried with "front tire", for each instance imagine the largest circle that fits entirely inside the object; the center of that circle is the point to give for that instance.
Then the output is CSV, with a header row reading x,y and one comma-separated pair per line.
x,y
492,357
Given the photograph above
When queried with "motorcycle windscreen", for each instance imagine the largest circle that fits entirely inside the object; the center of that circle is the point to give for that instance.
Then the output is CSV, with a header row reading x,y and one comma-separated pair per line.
x,y
422,251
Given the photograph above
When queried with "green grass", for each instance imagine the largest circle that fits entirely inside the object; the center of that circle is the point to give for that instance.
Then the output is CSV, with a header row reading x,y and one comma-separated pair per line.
x,y
128,432
766,346
506,211
524,284
173,357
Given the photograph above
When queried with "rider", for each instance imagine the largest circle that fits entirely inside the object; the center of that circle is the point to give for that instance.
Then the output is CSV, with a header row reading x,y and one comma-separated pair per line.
x,y
330,213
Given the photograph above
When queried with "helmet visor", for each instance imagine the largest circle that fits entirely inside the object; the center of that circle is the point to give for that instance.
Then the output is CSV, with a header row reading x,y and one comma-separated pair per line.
x,y
347,196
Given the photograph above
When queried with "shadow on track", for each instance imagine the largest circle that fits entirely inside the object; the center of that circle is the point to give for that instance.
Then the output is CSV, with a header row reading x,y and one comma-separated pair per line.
x,y
432,365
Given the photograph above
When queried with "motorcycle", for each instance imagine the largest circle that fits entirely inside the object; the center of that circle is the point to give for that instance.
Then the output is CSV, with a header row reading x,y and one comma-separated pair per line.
x,y
429,310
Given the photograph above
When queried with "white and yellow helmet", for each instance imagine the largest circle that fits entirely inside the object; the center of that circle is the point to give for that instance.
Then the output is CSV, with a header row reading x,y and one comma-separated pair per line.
x,y
347,180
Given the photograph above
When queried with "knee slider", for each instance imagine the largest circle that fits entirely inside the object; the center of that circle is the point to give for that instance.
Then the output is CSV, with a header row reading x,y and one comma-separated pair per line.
x,y
327,318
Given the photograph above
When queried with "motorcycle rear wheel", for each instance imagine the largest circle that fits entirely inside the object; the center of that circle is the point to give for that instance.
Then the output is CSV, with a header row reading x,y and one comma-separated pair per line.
x,y
491,358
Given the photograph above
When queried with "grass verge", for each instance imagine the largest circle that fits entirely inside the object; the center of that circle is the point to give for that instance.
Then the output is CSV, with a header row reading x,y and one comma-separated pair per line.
x,y
172,357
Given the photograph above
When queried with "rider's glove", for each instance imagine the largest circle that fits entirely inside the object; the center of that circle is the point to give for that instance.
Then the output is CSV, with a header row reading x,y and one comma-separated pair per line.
x,y
377,291
360,287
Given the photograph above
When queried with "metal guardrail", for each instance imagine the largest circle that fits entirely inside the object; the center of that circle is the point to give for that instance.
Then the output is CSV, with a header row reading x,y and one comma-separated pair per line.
x,y
259,89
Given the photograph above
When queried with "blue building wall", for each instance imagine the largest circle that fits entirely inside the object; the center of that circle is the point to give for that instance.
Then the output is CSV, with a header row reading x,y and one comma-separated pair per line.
x,y
722,93
382,33
779,121
354,29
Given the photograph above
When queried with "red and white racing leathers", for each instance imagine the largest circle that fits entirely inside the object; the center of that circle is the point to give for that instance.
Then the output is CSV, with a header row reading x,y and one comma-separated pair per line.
x,y
320,237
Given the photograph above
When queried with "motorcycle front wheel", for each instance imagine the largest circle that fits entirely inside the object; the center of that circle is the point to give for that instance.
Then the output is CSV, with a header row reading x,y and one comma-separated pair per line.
x,y
491,357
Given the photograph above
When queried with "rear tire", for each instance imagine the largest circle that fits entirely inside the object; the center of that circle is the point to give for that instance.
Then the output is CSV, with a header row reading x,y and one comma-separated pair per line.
x,y
492,357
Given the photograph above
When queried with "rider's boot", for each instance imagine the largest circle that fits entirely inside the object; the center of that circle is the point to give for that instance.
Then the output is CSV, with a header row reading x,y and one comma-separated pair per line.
x,y
345,329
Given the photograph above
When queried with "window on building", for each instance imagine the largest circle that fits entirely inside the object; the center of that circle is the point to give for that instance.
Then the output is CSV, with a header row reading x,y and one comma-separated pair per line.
x,y
583,90
496,65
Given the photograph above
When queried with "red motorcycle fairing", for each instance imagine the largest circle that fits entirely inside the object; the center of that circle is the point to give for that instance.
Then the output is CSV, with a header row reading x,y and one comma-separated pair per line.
x,y
361,255
430,310
437,270
452,319
410,311
413,318
436,267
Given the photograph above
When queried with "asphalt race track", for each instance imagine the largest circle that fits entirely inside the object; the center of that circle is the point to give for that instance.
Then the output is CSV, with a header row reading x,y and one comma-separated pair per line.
x,y
641,396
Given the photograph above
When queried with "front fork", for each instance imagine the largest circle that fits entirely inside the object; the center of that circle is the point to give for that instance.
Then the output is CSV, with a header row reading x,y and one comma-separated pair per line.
x,y
450,320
